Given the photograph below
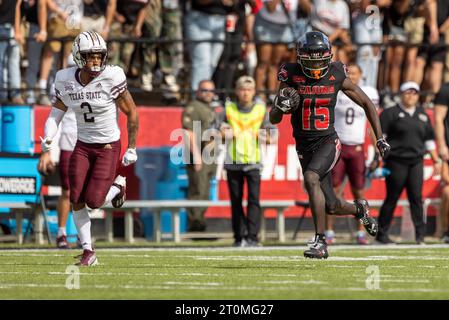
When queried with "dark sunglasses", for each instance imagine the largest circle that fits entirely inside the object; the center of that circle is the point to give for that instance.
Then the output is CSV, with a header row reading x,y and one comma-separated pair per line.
x,y
207,90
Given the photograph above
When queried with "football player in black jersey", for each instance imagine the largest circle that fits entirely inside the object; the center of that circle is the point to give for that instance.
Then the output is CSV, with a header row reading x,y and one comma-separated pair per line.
x,y
308,91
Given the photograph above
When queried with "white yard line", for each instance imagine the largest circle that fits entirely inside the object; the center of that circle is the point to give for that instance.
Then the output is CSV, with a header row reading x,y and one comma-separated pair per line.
x,y
267,248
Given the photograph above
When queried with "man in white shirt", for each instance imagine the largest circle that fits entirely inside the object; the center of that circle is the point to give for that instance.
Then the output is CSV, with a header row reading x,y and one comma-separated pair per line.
x,y
350,124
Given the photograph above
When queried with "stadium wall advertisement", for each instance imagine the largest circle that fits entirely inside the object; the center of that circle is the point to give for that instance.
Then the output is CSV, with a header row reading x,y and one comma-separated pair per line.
x,y
281,175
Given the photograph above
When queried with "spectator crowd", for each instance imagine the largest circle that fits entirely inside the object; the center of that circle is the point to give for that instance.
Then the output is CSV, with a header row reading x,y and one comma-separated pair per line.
x,y
169,46
184,49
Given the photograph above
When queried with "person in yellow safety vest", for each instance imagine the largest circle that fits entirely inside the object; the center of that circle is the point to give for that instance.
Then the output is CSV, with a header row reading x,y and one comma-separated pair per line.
x,y
246,127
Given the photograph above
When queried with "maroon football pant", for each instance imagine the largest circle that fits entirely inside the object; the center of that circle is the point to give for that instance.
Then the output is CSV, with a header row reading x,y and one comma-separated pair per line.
x,y
352,163
64,162
92,172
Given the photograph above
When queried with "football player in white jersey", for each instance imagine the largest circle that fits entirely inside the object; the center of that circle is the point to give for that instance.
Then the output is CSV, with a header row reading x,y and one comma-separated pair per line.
x,y
94,91
66,140
350,124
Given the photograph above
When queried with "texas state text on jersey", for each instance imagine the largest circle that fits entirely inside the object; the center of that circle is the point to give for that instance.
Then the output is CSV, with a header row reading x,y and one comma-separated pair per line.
x,y
93,104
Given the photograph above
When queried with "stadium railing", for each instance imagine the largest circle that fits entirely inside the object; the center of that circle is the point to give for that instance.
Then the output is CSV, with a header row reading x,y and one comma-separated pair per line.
x,y
129,207
184,90
176,205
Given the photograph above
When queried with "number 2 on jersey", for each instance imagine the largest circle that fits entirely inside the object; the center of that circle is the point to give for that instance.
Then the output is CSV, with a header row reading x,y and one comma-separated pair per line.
x,y
87,114
321,116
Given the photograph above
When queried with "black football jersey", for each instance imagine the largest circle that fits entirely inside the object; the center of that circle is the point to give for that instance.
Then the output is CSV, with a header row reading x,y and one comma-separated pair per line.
x,y
315,116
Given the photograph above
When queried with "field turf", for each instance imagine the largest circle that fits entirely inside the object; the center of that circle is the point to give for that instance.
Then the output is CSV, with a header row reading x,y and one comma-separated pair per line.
x,y
351,272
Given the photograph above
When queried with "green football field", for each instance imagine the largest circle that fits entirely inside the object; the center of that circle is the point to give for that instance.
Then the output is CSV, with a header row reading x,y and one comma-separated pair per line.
x,y
351,272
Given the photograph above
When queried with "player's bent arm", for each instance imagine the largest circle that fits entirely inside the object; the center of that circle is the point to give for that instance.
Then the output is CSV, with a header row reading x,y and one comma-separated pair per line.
x,y
51,125
54,119
357,95
276,114
126,104
440,115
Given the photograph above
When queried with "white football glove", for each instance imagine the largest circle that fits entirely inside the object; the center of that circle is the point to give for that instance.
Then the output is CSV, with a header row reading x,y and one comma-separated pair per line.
x,y
46,144
129,157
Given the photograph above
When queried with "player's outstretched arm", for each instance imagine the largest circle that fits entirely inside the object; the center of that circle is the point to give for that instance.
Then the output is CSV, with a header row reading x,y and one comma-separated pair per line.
x,y
125,103
51,125
357,95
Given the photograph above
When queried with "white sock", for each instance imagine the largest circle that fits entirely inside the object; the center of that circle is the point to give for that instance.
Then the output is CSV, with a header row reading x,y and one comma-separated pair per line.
x,y
61,232
82,222
43,84
113,191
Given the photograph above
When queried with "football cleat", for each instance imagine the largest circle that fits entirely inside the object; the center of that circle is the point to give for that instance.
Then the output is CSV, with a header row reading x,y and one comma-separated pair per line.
x,y
311,242
368,222
317,251
87,258
119,199
61,242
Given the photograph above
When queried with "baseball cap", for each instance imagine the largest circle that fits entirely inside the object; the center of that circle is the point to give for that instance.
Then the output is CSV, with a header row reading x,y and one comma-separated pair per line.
x,y
408,86
245,81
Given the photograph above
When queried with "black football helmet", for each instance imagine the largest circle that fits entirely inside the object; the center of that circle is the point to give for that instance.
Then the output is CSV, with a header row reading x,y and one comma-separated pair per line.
x,y
314,54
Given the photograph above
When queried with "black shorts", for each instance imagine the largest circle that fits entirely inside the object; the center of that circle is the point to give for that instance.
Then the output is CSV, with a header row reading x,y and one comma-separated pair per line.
x,y
322,157
433,53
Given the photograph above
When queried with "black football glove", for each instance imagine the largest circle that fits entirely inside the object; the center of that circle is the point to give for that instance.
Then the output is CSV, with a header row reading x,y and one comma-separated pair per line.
x,y
287,100
383,147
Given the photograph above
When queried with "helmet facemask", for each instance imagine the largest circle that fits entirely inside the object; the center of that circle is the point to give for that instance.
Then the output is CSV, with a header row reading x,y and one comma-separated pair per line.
x,y
94,70
316,64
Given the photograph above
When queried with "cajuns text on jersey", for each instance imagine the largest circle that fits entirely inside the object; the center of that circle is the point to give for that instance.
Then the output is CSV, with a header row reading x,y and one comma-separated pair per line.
x,y
93,104
315,115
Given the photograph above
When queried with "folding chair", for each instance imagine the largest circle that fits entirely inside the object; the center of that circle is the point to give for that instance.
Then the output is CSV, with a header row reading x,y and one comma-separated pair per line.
x,y
305,205
46,200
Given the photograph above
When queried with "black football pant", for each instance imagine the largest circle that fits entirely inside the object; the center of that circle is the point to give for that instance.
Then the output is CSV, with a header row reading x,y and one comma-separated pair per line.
x,y
408,174
321,161
316,164
245,226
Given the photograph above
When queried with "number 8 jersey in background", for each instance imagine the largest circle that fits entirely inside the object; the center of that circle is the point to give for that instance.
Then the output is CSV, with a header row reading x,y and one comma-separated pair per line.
x,y
350,118
314,119
93,104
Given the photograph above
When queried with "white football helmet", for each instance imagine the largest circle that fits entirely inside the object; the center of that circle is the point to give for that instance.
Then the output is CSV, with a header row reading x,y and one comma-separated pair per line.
x,y
89,42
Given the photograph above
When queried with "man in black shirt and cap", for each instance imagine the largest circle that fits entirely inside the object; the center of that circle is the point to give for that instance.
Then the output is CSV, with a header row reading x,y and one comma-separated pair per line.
x,y
410,134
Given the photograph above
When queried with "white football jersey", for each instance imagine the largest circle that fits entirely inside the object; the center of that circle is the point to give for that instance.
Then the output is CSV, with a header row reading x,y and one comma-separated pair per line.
x,y
350,118
69,133
93,104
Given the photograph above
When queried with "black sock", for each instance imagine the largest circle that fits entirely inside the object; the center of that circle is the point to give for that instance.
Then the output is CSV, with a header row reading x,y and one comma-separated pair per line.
x,y
360,210
321,237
